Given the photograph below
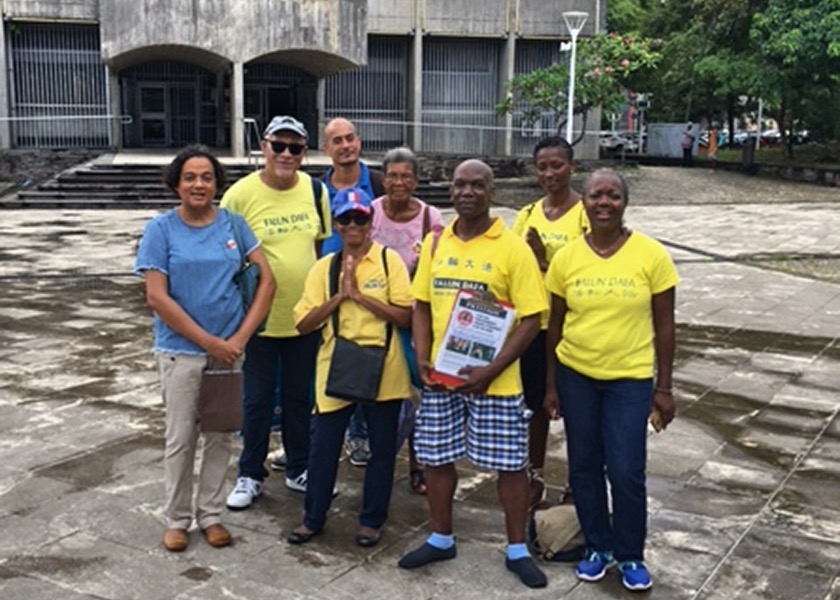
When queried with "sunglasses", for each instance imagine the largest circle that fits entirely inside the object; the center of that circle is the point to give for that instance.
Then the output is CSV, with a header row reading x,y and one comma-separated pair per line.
x,y
359,219
280,147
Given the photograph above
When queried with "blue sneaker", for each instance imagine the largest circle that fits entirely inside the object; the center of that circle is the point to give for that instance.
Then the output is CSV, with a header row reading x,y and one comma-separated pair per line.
x,y
594,566
635,576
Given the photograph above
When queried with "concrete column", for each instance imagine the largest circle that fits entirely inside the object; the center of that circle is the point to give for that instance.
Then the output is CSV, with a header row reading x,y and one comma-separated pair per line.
x,y
5,107
415,103
507,71
220,106
414,131
321,104
115,108
237,110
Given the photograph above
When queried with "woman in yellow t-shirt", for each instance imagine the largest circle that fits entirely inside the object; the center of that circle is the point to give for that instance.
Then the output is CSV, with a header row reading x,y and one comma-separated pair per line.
x,y
547,225
612,320
368,298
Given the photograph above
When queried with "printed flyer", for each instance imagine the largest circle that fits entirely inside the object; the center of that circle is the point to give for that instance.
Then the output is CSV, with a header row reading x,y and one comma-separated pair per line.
x,y
477,329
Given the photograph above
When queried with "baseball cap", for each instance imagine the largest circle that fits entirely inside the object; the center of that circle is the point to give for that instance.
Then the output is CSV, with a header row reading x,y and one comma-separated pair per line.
x,y
286,123
351,200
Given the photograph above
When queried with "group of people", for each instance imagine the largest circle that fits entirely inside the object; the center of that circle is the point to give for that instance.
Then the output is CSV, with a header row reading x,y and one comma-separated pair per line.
x,y
593,340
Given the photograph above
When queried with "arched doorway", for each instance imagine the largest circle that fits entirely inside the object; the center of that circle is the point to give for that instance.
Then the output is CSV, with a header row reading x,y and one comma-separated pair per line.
x,y
172,104
272,89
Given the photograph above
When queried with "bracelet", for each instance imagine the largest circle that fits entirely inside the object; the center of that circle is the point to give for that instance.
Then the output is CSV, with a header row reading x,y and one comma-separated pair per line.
x,y
668,391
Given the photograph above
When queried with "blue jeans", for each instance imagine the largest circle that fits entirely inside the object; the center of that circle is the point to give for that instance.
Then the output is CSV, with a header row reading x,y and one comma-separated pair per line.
x,y
291,361
606,433
357,429
327,441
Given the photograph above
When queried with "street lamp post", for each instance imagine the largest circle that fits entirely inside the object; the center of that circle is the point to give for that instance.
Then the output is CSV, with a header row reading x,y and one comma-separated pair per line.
x,y
575,21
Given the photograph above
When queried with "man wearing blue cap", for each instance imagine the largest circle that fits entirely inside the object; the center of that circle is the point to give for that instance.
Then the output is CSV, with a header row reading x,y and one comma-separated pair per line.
x,y
280,206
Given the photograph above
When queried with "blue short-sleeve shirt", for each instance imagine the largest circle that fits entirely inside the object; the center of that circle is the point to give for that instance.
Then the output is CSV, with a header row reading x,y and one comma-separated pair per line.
x,y
199,263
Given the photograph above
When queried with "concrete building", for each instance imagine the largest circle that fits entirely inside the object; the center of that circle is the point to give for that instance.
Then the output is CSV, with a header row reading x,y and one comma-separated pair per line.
x,y
165,73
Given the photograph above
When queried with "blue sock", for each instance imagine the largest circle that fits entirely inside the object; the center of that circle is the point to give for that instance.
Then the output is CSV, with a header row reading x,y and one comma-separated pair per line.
x,y
441,541
517,551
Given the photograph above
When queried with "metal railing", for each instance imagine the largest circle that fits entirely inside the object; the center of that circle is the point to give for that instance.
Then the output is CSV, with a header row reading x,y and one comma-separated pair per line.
x,y
251,131
447,137
51,131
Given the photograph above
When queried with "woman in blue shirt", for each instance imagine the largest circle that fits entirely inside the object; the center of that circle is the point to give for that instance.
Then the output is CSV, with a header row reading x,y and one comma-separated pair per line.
x,y
188,257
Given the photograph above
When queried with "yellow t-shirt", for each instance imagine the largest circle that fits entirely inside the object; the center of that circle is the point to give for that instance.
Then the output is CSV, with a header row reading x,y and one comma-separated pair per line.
x,y
554,234
608,330
497,261
287,224
358,323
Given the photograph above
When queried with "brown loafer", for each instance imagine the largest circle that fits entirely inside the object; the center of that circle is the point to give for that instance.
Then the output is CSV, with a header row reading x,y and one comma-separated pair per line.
x,y
217,536
176,539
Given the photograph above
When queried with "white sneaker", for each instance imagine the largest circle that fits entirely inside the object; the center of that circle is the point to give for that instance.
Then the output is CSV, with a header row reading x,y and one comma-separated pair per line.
x,y
278,460
244,494
298,484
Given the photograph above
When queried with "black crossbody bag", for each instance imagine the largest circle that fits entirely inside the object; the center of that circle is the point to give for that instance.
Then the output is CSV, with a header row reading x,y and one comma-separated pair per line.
x,y
355,370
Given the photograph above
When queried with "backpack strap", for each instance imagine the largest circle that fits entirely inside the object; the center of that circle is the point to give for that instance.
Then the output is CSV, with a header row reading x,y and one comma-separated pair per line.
x,y
376,185
530,208
427,225
317,192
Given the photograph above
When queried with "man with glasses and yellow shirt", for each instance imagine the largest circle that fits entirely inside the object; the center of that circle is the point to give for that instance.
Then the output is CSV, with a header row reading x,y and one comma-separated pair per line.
x,y
280,205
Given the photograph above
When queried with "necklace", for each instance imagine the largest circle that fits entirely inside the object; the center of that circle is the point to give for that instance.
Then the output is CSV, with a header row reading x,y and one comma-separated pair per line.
x,y
609,250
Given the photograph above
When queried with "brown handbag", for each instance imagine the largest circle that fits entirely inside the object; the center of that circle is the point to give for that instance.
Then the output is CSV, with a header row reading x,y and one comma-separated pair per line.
x,y
220,401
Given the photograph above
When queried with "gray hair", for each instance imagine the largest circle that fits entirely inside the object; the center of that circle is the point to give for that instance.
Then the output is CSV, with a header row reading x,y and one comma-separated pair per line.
x,y
401,155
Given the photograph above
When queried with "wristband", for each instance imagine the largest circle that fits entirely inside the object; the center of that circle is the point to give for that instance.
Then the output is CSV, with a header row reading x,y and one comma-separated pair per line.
x,y
668,391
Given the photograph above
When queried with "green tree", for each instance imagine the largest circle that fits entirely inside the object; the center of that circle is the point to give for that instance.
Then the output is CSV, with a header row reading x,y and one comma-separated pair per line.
x,y
606,66
799,45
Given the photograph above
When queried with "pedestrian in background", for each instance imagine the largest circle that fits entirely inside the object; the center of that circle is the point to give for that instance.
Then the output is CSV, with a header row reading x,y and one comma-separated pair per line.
x,y
712,148
687,144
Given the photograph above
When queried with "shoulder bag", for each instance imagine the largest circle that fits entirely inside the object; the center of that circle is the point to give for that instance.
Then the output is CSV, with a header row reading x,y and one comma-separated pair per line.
x,y
248,275
355,370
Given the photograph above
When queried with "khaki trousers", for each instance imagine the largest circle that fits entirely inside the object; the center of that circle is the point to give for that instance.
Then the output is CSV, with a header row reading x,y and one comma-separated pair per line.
x,y
180,378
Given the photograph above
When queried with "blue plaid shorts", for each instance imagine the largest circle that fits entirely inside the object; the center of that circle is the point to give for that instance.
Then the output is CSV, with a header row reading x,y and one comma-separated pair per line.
x,y
491,431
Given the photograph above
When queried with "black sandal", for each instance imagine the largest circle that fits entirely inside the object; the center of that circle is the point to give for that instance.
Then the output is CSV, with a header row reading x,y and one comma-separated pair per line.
x,y
298,537
417,481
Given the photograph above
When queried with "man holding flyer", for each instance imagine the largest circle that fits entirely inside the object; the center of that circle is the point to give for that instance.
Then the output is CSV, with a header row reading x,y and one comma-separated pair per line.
x,y
479,412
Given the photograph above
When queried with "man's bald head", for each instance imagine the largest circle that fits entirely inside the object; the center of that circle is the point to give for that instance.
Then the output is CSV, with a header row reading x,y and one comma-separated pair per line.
x,y
341,142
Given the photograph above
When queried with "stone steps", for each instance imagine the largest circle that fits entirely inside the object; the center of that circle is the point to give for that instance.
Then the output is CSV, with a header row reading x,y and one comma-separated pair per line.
x,y
141,186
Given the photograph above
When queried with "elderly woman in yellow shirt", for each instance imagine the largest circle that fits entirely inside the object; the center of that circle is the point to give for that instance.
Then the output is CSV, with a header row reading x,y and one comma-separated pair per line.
x,y
371,297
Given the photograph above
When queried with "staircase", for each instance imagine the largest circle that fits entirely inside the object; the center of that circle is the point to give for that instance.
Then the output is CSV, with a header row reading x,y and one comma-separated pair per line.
x,y
141,186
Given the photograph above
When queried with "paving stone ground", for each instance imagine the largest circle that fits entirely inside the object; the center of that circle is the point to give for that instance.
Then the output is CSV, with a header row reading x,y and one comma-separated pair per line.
x,y
743,487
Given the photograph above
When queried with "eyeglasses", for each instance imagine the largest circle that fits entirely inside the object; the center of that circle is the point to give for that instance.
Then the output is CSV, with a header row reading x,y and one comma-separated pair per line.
x,y
280,147
401,177
358,218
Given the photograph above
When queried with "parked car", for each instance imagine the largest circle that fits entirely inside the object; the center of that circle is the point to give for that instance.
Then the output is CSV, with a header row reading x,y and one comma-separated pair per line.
x,y
613,143
741,136
771,136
